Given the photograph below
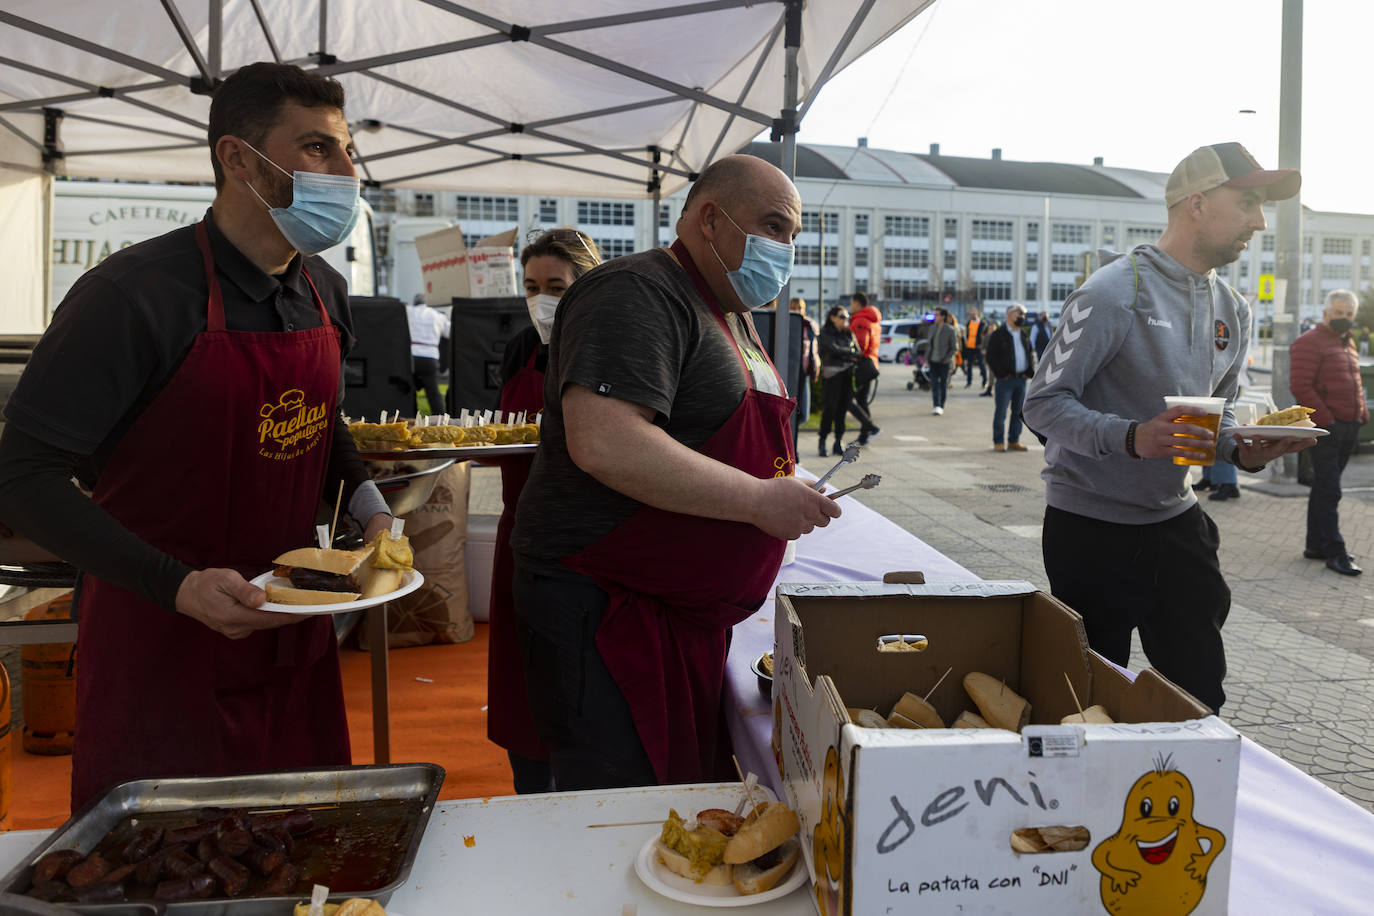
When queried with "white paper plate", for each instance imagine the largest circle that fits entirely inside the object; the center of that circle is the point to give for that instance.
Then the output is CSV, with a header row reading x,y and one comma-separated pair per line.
x,y
675,887
409,583
1279,432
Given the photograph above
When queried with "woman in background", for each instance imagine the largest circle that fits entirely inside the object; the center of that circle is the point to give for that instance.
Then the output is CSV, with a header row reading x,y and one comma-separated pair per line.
x,y
811,362
944,341
839,356
551,263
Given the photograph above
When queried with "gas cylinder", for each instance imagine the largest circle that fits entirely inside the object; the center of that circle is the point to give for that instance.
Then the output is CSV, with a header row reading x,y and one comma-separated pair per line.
x,y
48,676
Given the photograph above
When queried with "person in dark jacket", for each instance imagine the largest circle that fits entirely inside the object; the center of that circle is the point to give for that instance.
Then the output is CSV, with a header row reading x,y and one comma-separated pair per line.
x,y
944,343
839,356
1041,334
1325,375
1011,359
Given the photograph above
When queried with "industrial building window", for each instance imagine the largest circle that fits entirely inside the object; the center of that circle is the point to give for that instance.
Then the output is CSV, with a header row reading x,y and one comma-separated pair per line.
x,y
1032,261
605,213
811,221
904,289
473,207
1364,248
1108,236
1267,242
548,210
383,200
1064,262
614,248
990,260
806,254
424,204
1032,232
1338,246
861,224
906,257
951,258
986,291
1071,233
1335,271
917,227
1032,291
664,215
861,256
1307,244
951,228
1060,291
1142,235
990,229
382,239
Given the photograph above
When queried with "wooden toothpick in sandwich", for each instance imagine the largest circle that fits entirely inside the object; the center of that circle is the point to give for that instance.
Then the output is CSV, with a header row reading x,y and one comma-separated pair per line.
x,y
926,698
1073,693
338,500
748,792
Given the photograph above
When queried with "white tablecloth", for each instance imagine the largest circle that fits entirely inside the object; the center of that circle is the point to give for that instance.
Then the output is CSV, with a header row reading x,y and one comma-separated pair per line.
x,y
1300,849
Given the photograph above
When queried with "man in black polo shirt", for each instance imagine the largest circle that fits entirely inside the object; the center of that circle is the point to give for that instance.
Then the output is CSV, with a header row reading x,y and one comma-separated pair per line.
x,y
192,384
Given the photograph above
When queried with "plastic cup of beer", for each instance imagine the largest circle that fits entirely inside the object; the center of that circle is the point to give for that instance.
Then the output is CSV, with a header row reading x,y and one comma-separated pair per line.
x,y
1201,412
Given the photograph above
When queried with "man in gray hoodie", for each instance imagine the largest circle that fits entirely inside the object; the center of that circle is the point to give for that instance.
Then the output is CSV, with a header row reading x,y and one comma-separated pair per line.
x,y
1125,542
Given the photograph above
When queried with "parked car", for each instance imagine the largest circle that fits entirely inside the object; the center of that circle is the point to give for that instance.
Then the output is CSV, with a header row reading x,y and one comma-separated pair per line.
x,y
895,343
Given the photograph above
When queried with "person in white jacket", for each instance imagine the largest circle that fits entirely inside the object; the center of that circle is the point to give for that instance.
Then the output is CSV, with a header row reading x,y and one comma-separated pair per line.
x,y
427,327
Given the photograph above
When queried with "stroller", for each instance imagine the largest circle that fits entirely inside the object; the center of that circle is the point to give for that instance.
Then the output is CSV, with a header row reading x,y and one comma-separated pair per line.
x,y
921,372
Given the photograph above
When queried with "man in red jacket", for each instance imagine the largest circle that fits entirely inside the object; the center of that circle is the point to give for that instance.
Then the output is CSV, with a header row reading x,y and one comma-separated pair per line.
x,y
865,321
1325,376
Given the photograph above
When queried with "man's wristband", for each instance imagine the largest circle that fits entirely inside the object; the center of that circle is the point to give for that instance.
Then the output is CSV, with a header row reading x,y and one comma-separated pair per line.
x,y
1130,440
1235,459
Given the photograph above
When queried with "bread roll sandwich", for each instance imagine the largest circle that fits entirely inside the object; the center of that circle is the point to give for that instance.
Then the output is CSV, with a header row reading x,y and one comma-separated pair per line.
x,y
353,906
752,853
319,576
1289,416
696,852
385,570
1001,706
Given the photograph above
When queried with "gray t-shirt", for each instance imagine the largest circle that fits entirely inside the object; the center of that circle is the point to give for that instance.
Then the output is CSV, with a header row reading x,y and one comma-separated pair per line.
x,y
637,329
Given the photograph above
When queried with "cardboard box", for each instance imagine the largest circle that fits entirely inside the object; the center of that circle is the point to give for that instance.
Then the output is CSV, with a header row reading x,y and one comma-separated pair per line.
x,y
920,821
453,271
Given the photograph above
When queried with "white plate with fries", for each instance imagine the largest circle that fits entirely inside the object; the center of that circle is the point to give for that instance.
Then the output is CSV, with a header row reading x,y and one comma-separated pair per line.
x,y
1279,432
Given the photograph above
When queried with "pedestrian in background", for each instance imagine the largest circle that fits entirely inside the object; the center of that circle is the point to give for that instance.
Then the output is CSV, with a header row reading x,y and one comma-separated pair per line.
x,y
974,341
865,322
1012,361
839,356
1041,334
427,327
811,359
944,343
1325,375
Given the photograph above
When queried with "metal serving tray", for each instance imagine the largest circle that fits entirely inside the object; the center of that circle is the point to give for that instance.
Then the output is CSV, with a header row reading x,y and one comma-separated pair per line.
x,y
413,787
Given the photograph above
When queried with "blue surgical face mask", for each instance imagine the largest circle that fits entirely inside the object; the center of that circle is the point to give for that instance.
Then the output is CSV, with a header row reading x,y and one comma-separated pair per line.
x,y
323,211
763,272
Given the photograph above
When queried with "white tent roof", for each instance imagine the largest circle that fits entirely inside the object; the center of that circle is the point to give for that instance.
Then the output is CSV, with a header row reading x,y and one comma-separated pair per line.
x,y
518,96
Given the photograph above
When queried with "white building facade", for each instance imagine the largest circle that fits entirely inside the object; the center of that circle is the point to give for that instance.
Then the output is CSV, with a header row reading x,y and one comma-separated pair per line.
x,y
913,230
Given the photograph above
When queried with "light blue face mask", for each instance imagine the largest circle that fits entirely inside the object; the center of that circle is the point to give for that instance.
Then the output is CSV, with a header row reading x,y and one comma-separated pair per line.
x,y
323,211
763,272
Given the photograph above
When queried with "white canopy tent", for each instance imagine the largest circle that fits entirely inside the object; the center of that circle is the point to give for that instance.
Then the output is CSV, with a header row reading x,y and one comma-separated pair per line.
x,y
626,98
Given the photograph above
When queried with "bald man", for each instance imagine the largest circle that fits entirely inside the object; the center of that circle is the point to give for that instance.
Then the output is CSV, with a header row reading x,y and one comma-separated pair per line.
x,y
662,495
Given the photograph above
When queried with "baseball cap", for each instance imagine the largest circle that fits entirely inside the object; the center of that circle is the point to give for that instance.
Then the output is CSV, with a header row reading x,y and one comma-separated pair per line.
x,y
1228,164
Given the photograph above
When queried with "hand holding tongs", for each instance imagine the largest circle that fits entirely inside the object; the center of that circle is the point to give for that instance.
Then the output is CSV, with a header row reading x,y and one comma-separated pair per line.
x,y
869,482
851,453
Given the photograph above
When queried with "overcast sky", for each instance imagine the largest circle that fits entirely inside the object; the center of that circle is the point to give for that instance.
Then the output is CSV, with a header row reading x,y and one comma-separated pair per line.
x,y
1138,83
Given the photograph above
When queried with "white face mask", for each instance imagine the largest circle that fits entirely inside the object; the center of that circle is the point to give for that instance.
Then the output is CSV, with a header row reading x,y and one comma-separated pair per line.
x,y
542,308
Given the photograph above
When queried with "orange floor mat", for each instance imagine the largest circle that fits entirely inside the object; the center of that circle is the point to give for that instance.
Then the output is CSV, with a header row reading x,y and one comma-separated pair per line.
x,y
438,715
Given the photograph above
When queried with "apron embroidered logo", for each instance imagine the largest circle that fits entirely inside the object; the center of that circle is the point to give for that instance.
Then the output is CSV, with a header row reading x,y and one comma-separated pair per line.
x,y
290,428
783,465
1221,335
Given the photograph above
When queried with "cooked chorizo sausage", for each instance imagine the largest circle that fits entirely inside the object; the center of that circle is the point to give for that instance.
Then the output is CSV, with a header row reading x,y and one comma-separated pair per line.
x,y
234,842
233,877
144,844
88,871
193,887
282,881
264,860
55,865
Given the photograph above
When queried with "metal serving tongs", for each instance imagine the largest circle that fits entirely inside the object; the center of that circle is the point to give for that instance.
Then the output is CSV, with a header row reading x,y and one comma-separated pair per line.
x,y
868,482
851,454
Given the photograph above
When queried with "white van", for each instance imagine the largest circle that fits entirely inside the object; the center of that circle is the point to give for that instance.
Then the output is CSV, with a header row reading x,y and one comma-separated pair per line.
x,y
93,219
894,344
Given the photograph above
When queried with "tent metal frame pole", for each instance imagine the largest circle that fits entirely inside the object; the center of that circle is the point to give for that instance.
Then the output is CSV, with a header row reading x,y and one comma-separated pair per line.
x,y
401,57
91,47
188,41
324,50
788,126
667,12
215,51
266,30
824,76
748,87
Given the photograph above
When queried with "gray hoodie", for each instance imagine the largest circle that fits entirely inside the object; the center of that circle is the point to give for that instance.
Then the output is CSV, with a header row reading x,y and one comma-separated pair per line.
x,y
1143,326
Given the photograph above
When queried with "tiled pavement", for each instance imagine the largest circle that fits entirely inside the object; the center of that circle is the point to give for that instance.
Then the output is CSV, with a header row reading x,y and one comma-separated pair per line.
x,y
1300,639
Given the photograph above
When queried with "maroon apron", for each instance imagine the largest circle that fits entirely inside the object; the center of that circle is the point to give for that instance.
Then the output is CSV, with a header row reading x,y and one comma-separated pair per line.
x,y
225,468
677,583
508,711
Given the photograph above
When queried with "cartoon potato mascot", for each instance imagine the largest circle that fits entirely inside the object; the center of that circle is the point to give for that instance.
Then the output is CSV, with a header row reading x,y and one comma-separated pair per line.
x,y
827,839
1156,864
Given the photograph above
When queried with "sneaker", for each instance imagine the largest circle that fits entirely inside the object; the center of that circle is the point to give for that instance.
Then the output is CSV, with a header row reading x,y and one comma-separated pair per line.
x,y
998,447
1204,485
837,450
872,433
938,411
1016,447
824,453
1226,491
985,394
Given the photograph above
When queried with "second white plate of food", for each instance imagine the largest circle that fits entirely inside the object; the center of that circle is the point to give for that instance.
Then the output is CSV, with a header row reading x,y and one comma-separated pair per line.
x,y
409,583
1280,432
675,887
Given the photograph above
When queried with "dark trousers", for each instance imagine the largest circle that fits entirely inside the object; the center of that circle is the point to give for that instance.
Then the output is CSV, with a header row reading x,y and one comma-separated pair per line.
x,y
859,405
1163,579
837,393
939,383
974,357
426,372
1329,456
577,707
530,776
1009,393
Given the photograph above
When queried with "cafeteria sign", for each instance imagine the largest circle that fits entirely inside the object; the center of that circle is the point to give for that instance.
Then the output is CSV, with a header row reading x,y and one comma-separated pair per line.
x,y
290,428
1266,287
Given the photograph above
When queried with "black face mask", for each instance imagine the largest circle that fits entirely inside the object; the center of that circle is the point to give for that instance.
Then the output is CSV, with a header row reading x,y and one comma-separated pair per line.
x,y
1016,322
1341,325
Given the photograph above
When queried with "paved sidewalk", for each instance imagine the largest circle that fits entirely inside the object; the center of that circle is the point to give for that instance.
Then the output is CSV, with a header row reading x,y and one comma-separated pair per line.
x,y
1300,639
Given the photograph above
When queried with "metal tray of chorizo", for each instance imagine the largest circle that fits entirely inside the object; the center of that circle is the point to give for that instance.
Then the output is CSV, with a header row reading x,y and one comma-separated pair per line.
x,y
250,845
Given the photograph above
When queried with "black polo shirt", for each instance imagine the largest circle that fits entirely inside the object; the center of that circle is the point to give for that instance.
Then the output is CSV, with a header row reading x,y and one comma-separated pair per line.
x,y
115,341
